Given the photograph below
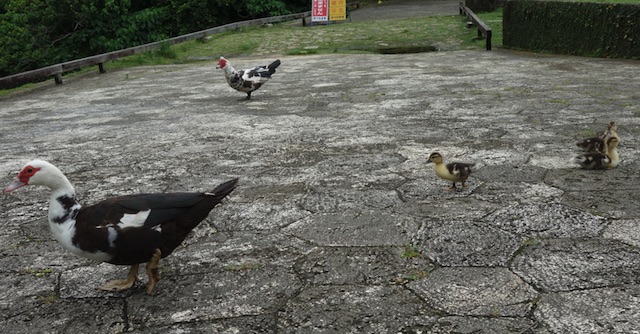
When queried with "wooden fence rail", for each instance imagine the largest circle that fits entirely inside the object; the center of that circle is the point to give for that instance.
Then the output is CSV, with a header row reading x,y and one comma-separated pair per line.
x,y
57,70
483,29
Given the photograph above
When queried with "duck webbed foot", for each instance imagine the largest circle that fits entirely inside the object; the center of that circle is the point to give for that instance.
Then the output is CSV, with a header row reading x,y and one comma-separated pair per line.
x,y
121,285
152,271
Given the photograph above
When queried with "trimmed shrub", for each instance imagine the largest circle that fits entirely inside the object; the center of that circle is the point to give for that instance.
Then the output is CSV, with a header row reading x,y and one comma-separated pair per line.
x,y
576,28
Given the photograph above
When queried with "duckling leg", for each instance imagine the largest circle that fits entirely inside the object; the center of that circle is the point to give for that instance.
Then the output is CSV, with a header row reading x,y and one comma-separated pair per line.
x,y
121,285
152,270
452,188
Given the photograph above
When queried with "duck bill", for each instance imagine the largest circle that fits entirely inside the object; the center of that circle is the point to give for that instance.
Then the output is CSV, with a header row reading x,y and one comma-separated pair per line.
x,y
13,186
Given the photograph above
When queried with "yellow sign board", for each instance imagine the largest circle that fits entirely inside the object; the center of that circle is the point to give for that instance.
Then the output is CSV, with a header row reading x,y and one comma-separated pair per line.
x,y
337,10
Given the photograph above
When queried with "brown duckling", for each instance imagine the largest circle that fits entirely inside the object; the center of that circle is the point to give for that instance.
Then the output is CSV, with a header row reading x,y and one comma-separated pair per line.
x,y
598,160
597,144
454,172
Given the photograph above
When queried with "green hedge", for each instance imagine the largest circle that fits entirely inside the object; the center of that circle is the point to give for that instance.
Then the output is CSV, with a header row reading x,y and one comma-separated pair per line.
x,y
577,28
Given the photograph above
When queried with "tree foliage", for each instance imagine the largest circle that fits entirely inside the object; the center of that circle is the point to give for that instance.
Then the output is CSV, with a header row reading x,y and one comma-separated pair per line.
x,y
37,33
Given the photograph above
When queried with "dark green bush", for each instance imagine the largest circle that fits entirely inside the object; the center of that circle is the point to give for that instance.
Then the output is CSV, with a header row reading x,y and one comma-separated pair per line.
x,y
38,33
577,28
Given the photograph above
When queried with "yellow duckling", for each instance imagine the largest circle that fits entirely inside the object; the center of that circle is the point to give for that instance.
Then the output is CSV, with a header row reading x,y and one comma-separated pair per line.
x,y
454,172
599,160
597,144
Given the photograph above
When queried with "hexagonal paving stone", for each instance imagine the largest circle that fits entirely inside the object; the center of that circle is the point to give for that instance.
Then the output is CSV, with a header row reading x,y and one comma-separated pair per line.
x,y
209,296
370,228
353,309
70,316
362,265
568,264
624,230
550,220
464,243
476,292
488,325
604,310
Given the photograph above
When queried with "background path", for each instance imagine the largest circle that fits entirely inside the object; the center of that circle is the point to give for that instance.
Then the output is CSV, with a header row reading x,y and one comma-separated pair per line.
x,y
393,9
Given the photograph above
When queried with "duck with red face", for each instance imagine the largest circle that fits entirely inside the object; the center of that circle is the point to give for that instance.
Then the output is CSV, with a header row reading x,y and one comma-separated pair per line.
x,y
125,230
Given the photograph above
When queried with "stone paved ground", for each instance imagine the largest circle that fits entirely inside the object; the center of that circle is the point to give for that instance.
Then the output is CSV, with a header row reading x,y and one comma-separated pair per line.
x,y
339,225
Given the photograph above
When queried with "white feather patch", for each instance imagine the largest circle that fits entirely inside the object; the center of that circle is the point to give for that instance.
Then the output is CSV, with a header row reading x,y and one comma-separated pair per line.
x,y
255,78
65,232
113,235
134,220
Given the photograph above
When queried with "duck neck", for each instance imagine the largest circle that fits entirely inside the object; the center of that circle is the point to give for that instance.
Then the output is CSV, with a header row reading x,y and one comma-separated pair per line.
x,y
63,205
441,169
613,155
229,70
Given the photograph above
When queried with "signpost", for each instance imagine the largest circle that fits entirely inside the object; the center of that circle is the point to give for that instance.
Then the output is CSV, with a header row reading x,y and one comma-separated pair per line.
x,y
319,11
328,10
338,10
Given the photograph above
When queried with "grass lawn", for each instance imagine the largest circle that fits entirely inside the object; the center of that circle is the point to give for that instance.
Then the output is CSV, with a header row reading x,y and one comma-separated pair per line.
x,y
445,33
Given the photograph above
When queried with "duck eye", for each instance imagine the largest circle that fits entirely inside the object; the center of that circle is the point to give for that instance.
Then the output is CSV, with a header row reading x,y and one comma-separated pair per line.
x,y
29,170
